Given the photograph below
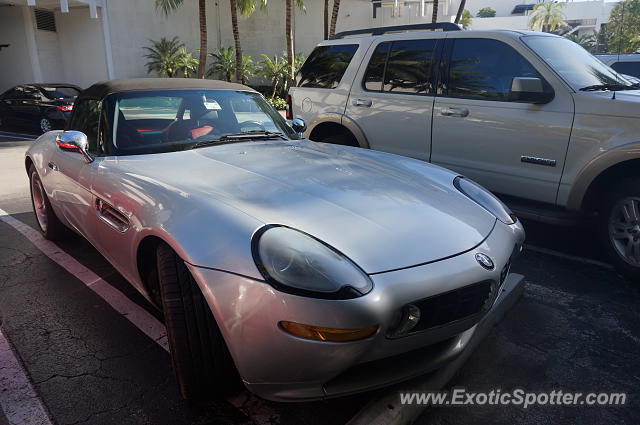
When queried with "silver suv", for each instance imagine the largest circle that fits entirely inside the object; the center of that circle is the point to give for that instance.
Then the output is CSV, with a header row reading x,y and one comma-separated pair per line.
x,y
531,116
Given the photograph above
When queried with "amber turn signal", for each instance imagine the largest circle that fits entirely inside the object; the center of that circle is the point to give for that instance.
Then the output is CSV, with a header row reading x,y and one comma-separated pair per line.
x,y
327,334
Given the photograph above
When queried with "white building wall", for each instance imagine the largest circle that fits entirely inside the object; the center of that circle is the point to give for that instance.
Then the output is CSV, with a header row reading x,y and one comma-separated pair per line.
x,y
15,64
49,54
134,22
82,55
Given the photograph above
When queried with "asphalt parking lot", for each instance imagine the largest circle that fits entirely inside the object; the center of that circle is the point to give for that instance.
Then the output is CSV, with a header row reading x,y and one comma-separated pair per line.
x,y
575,329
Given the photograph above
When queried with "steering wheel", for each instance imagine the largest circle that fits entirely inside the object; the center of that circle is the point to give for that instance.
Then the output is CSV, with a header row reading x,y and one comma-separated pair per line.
x,y
251,123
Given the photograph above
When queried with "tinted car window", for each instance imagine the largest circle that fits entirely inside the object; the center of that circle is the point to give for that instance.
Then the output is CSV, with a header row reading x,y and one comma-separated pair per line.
x,y
484,68
575,65
85,118
59,92
628,68
31,93
374,74
326,65
15,93
409,66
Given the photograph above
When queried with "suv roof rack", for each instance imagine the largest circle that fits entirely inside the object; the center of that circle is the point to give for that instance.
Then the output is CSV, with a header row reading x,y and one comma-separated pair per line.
x,y
442,26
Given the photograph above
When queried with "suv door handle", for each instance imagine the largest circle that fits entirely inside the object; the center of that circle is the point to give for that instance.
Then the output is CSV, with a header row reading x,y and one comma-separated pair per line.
x,y
455,112
362,102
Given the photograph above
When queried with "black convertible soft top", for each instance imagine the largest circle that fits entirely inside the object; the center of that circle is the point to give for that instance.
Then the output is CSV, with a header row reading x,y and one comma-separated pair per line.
x,y
103,88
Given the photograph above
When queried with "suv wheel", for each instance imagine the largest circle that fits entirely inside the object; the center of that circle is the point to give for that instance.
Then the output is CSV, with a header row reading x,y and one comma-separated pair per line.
x,y
45,125
620,227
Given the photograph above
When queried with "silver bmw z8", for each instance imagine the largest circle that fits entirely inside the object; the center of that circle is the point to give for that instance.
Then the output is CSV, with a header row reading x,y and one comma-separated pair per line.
x,y
302,270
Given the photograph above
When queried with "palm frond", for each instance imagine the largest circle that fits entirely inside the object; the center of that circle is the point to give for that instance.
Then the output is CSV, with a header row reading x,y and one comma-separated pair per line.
x,y
168,6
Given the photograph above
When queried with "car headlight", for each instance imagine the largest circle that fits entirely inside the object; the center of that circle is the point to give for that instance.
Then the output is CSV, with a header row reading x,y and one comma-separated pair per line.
x,y
297,263
485,199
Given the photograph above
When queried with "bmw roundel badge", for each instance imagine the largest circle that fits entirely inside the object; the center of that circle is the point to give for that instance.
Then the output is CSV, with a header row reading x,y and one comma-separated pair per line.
x,y
485,261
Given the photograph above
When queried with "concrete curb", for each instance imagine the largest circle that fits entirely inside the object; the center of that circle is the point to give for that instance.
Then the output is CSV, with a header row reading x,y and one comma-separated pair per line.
x,y
387,410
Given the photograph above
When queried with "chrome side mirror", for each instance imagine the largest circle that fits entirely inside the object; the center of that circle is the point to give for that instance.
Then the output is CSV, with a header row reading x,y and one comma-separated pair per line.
x,y
74,141
529,89
299,126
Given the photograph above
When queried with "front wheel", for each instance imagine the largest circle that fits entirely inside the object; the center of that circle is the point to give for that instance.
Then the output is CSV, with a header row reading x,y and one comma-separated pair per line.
x,y
201,361
619,227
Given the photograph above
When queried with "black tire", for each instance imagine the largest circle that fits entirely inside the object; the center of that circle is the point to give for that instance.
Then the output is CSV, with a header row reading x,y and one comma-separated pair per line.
x,y
46,218
617,233
200,357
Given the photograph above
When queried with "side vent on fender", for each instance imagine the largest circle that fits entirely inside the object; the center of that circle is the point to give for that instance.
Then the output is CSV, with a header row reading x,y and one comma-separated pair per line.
x,y
111,216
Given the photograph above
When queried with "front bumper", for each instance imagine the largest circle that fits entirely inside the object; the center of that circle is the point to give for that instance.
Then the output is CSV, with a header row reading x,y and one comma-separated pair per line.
x,y
278,366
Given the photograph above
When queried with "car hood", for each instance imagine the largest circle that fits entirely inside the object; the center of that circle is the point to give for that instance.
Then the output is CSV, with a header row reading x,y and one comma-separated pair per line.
x,y
625,104
383,211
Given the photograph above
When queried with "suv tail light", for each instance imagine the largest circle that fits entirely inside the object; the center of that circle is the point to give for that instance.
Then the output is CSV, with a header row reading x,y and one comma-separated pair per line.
x,y
64,108
289,114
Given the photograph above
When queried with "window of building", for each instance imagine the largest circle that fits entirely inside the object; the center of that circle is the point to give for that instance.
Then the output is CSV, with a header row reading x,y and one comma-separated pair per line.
x,y
326,65
484,68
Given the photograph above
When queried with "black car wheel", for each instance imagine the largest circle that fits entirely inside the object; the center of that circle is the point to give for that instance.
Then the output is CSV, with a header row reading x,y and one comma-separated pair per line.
x,y
45,125
48,222
201,360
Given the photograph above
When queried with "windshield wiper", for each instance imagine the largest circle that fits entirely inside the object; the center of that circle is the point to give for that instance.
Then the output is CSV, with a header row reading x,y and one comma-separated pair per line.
x,y
253,134
611,87
239,137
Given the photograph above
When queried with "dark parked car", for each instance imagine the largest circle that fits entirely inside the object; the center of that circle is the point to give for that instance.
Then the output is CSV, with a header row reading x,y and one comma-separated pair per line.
x,y
44,106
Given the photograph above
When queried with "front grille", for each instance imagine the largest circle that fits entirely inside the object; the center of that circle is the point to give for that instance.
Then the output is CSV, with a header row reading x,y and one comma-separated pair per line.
x,y
455,305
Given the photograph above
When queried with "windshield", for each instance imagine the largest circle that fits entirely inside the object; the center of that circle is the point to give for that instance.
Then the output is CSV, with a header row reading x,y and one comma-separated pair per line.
x,y
575,65
60,92
162,121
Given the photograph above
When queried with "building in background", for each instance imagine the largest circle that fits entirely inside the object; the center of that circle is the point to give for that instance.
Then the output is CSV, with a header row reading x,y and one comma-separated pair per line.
x,y
83,41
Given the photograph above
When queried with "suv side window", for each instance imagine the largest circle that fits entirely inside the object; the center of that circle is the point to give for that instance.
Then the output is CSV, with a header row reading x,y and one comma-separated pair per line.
x,y
86,116
404,66
481,68
409,66
325,66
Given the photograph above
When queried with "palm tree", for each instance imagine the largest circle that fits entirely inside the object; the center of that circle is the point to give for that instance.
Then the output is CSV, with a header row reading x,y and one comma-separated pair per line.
x,y
326,19
168,6
547,16
587,41
434,16
289,31
164,56
460,10
466,19
223,65
334,18
248,68
246,7
273,70
186,63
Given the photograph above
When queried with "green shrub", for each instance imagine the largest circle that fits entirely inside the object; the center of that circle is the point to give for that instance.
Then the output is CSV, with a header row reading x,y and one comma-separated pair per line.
x,y
277,102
